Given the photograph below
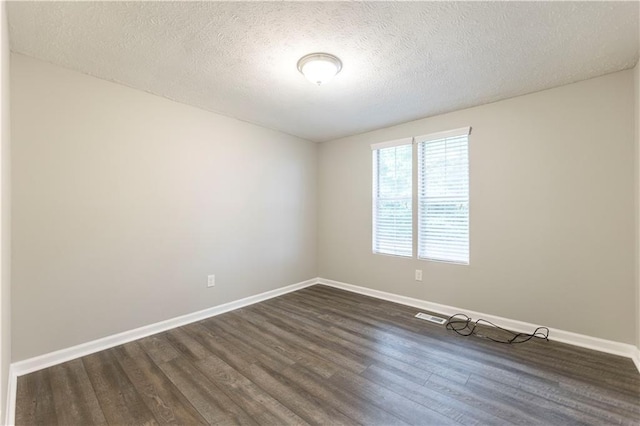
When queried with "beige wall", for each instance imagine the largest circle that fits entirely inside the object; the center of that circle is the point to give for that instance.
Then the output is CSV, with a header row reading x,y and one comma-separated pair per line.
x,y
551,201
5,212
124,202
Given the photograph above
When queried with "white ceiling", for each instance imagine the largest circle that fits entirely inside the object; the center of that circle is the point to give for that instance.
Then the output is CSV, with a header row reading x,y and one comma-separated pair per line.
x,y
402,61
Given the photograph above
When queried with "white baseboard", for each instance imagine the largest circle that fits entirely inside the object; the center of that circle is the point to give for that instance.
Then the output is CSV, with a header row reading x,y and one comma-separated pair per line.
x,y
636,359
595,343
10,411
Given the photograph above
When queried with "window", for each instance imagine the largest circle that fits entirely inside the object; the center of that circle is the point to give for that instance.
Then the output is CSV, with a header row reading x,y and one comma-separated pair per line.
x,y
392,198
443,196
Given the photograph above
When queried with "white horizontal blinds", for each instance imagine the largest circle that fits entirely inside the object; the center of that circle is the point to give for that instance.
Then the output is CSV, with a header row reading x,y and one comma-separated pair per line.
x,y
392,199
443,196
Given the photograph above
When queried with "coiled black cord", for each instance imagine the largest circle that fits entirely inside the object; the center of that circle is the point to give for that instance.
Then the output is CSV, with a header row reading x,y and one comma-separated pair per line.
x,y
464,326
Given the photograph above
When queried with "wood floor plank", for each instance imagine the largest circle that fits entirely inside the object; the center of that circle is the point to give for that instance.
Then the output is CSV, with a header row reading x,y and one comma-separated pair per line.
x,y
75,400
213,404
34,400
119,400
442,403
160,395
383,349
261,406
159,348
259,340
351,404
414,369
480,401
403,408
597,408
599,411
263,354
186,344
539,408
301,354
326,356
218,346
288,333
621,401
296,398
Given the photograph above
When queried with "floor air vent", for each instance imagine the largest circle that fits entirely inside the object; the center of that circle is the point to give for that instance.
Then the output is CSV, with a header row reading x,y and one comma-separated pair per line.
x,y
431,318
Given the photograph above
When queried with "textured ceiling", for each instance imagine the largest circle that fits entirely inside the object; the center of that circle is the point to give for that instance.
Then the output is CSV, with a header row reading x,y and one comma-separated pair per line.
x,y
402,61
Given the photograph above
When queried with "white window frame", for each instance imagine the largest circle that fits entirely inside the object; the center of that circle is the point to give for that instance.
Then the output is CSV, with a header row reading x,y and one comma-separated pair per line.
x,y
417,225
376,244
443,237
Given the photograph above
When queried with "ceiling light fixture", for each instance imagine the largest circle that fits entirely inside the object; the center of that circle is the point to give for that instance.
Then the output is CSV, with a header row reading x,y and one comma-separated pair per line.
x,y
319,68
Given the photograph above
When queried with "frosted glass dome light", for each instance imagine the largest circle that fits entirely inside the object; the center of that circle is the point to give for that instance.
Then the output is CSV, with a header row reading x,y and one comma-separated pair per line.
x,y
319,68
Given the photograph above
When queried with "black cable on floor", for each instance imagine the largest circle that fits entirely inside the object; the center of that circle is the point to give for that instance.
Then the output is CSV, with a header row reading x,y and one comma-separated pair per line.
x,y
465,326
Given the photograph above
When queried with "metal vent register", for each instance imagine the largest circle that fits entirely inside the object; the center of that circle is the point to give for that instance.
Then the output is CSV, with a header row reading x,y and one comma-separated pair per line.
x,y
431,318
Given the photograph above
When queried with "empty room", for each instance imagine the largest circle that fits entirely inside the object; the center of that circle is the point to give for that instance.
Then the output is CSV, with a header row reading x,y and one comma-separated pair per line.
x,y
319,213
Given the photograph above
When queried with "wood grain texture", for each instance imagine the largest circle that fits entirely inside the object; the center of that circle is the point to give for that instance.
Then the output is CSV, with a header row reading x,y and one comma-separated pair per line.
x,y
327,356
75,400
120,401
34,400
160,395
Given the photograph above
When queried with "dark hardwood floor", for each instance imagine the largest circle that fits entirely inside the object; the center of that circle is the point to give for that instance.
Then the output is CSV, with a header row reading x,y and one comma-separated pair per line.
x,y
326,356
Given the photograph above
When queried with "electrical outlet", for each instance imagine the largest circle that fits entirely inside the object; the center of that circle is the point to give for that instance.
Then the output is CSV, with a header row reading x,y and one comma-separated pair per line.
x,y
211,280
418,274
